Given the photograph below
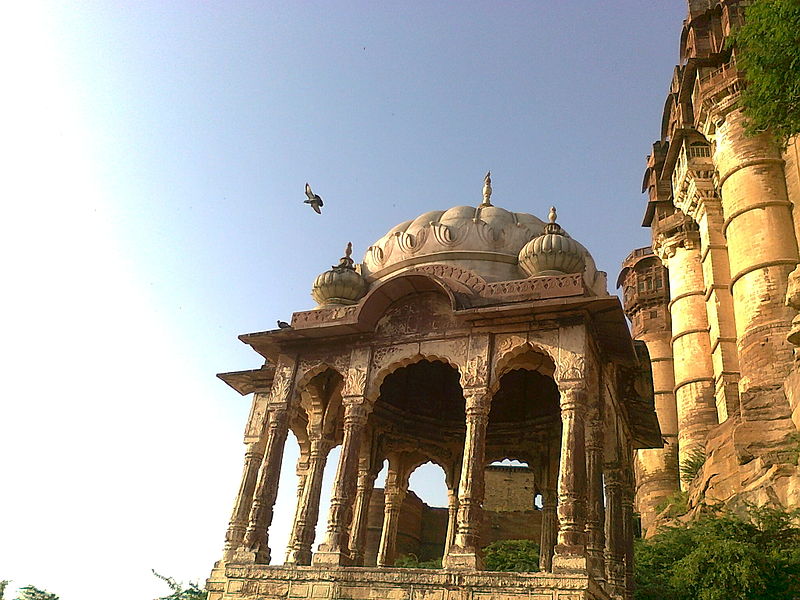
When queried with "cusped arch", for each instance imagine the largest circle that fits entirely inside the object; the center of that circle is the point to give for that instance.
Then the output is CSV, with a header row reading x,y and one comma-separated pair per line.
x,y
524,355
404,357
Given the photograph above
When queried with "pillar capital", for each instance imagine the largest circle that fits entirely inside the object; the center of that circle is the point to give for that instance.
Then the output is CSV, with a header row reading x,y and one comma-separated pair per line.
x,y
573,396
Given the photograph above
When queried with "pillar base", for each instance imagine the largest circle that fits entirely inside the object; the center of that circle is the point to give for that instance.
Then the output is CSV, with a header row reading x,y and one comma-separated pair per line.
x,y
298,557
258,557
334,558
460,558
570,560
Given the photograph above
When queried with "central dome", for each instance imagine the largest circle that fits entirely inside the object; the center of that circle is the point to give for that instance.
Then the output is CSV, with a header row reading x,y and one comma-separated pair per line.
x,y
486,240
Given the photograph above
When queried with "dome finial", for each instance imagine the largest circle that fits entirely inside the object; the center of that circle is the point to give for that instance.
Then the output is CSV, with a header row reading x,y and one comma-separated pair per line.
x,y
552,226
487,189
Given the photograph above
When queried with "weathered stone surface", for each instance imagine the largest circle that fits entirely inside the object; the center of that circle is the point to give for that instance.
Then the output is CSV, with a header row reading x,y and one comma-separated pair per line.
x,y
722,208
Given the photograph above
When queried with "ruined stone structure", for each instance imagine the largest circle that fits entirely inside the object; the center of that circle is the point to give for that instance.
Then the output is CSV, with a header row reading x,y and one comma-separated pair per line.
x,y
721,206
465,337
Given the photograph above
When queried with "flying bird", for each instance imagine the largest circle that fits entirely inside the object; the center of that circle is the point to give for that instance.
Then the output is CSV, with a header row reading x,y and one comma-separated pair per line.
x,y
284,325
314,200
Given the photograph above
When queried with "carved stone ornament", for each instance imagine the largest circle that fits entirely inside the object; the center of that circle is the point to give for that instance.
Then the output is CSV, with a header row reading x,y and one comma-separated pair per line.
x,y
281,385
474,372
571,367
355,382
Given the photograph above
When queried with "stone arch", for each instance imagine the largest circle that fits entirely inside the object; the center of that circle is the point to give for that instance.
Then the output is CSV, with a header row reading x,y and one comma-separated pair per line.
x,y
383,295
525,355
321,413
413,356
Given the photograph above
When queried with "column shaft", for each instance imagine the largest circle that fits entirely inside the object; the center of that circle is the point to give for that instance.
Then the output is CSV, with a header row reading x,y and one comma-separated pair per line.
x,y
465,551
549,529
335,549
256,538
595,514
244,499
615,552
392,503
358,530
308,506
570,552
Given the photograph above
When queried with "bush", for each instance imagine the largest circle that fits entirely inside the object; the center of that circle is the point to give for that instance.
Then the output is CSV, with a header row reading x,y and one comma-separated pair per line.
x,y
691,466
512,555
410,561
722,557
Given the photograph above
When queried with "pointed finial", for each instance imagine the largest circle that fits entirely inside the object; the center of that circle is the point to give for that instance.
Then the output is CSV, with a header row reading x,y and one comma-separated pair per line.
x,y
552,226
349,249
487,189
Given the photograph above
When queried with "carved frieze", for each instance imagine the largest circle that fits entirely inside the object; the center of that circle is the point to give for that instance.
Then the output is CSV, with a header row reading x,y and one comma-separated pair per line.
x,y
313,318
355,382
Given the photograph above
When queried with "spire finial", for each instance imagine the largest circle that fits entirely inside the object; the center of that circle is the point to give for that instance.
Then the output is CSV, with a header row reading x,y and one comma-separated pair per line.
x,y
487,189
552,226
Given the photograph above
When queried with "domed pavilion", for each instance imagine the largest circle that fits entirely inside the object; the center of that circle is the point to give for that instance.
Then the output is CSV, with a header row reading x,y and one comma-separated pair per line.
x,y
464,337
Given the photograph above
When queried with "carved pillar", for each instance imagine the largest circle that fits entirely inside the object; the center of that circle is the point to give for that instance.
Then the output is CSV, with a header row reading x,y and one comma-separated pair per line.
x,y
308,505
627,531
358,530
570,552
334,550
393,496
615,568
549,529
302,476
244,499
465,550
595,514
256,538
452,519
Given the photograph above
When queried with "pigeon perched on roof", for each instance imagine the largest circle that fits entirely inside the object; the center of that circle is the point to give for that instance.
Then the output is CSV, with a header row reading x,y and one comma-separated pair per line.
x,y
314,200
284,325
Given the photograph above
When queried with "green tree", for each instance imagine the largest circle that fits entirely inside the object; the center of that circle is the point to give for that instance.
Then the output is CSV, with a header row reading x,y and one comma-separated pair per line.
x,y
30,592
768,52
512,555
3,584
179,592
722,557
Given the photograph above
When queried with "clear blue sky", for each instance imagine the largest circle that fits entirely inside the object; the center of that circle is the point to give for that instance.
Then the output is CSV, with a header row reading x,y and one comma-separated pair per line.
x,y
155,155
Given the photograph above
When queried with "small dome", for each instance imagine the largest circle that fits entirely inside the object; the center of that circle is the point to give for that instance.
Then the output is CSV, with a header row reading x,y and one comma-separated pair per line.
x,y
552,253
341,284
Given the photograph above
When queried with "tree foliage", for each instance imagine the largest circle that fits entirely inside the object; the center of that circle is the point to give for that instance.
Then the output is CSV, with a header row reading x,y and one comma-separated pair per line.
x,y
723,557
512,555
411,561
768,52
179,592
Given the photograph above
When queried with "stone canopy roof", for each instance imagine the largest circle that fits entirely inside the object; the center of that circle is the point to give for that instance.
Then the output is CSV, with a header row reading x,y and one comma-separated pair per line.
x,y
486,240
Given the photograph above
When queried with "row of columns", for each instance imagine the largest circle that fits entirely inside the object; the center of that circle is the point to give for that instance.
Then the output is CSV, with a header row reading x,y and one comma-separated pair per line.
x,y
588,535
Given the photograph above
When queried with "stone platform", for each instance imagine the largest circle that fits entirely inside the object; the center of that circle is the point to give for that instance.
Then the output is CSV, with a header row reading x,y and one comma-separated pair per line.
x,y
262,582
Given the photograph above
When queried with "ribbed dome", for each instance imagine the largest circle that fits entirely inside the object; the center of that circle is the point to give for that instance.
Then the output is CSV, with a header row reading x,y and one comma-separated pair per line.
x,y
486,240
483,234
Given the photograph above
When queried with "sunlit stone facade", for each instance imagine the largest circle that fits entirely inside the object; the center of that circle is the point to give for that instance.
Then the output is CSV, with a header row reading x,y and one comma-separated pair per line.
x,y
721,207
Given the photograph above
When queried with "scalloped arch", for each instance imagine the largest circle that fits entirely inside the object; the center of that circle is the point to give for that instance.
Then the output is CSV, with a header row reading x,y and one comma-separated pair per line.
x,y
403,361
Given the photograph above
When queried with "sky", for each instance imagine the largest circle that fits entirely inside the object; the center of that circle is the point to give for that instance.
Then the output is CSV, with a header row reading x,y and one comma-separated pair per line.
x,y
153,162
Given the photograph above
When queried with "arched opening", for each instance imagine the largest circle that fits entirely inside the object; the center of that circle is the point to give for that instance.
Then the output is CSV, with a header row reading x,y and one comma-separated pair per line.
x,y
523,440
